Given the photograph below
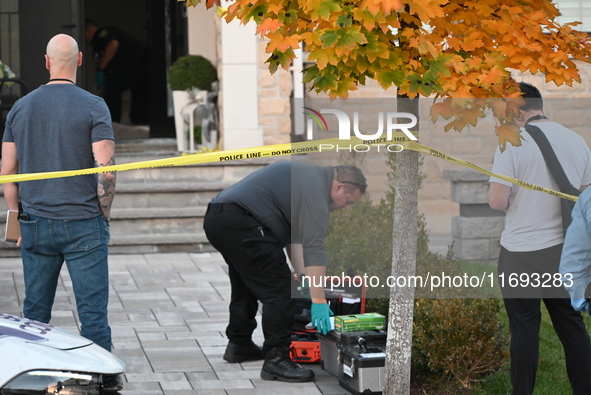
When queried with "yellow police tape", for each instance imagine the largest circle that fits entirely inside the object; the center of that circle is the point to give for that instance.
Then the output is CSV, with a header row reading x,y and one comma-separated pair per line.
x,y
398,139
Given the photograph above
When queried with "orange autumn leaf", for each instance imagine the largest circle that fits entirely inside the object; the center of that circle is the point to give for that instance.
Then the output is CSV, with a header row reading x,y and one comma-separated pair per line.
x,y
472,42
495,75
472,115
268,25
508,134
391,5
441,109
376,7
426,9
277,42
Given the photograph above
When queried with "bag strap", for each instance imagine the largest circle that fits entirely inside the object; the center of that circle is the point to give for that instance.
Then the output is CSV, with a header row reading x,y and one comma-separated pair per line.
x,y
552,162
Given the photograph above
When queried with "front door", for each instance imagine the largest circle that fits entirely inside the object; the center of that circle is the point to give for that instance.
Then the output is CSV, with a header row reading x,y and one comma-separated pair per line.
x,y
40,20
161,24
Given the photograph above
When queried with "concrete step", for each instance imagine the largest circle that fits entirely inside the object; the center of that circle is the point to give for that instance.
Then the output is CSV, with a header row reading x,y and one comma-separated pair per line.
x,y
143,244
173,194
203,172
145,146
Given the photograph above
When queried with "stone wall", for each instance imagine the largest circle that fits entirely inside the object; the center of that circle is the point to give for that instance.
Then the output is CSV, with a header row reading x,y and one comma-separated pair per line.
x,y
274,100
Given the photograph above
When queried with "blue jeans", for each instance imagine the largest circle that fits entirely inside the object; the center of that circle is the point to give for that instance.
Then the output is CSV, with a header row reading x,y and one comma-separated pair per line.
x,y
83,245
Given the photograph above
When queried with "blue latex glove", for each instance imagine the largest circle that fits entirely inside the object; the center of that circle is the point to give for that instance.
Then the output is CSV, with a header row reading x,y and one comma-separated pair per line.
x,y
321,317
100,78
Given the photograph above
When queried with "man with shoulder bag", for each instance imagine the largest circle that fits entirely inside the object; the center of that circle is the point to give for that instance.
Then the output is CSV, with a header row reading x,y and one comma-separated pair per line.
x,y
531,243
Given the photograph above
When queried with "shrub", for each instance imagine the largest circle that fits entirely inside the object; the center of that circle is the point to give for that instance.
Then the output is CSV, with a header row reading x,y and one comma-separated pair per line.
x,y
462,338
190,72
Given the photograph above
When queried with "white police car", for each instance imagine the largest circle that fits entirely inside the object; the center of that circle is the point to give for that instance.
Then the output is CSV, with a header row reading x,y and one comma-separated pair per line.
x,y
37,358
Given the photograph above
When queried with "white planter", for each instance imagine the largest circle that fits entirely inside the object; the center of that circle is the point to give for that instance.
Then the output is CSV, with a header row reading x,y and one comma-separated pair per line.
x,y
179,101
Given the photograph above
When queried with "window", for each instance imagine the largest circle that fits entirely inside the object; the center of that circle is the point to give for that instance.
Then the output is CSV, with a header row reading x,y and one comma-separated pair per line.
x,y
575,11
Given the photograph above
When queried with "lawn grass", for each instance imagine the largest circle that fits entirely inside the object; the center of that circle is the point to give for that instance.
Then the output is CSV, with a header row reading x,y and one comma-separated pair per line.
x,y
551,378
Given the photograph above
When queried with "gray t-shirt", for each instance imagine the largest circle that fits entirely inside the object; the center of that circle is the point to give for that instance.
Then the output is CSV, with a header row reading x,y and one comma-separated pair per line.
x,y
53,128
292,200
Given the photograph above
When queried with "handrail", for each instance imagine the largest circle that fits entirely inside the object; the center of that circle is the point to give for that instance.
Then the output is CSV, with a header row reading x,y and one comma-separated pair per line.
x,y
24,87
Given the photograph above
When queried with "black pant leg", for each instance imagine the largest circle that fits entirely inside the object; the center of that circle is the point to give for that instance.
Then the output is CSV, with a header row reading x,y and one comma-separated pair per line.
x,y
243,309
524,323
571,331
568,325
523,309
257,263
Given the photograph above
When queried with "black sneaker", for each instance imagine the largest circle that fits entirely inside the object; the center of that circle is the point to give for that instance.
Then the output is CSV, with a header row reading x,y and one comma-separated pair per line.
x,y
279,366
240,352
112,383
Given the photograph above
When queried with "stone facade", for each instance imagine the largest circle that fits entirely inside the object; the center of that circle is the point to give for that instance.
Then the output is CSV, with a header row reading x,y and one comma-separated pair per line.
x,y
274,92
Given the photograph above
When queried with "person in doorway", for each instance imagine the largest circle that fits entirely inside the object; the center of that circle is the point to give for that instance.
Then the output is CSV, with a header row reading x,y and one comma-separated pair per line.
x,y
60,127
122,64
531,245
250,223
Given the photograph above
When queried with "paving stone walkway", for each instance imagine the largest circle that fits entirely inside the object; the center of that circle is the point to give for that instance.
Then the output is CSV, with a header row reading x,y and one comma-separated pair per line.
x,y
168,313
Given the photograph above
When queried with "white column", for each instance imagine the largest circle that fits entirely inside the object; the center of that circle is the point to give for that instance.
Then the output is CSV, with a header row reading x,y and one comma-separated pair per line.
x,y
240,86
298,91
202,32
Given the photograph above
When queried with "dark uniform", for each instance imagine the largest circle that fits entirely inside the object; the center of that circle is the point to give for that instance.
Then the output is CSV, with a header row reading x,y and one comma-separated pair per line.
x,y
250,223
127,70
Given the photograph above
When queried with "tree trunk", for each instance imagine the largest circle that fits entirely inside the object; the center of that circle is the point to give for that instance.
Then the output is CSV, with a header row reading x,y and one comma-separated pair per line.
x,y
400,316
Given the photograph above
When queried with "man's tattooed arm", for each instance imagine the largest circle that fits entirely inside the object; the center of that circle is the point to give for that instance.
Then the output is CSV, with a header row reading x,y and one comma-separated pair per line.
x,y
104,156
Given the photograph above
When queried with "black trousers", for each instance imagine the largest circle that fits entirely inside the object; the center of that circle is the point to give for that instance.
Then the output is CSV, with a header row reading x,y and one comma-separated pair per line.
x,y
258,271
523,309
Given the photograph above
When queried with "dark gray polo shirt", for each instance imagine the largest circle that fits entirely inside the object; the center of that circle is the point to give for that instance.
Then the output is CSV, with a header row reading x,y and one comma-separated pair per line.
x,y
292,200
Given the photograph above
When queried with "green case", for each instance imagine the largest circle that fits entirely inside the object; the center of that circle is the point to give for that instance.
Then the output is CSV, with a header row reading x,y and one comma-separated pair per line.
x,y
359,322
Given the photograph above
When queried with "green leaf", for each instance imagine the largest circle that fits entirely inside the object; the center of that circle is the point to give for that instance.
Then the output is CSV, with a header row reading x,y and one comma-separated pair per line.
x,y
310,73
326,82
345,20
278,58
325,9
351,38
438,67
362,64
389,77
257,13
329,38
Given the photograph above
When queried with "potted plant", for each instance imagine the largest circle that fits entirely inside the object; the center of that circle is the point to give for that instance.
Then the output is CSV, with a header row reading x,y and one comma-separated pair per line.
x,y
197,133
187,76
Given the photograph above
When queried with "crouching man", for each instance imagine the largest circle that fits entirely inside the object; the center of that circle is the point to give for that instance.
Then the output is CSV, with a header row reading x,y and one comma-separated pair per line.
x,y
250,223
